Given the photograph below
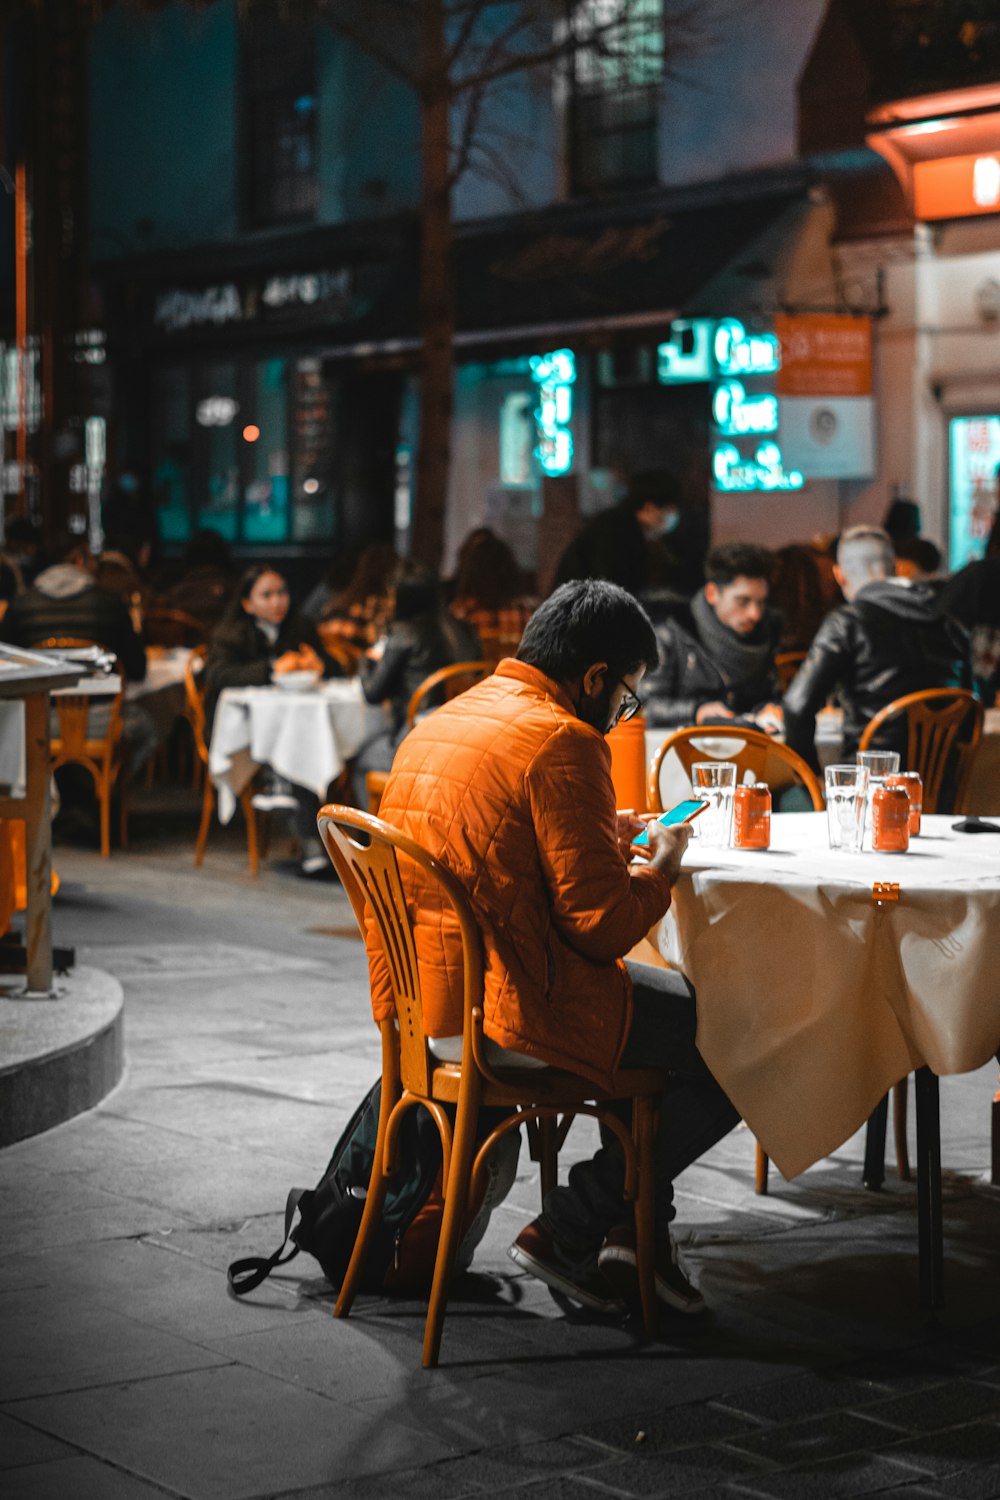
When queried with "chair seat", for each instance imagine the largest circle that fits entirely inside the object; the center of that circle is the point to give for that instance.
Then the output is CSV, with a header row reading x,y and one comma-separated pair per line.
x,y
548,1086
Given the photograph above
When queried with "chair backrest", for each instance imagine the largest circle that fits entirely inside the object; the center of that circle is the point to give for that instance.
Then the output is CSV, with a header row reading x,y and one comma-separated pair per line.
x,y
756,754
194,698
73,742
454,679
365,853
943,726
172,627
787,664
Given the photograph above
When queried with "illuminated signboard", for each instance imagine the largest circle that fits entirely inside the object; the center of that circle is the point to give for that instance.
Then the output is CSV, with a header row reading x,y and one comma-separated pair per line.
x,y
686,357
956,187
737,414
734,471
740,353
555,375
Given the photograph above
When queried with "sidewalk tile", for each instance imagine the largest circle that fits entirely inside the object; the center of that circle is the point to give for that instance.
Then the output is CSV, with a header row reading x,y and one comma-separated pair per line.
x,y
76,1478
21,1445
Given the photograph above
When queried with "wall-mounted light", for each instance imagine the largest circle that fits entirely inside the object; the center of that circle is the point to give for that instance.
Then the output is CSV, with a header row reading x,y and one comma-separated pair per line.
x,y
251,433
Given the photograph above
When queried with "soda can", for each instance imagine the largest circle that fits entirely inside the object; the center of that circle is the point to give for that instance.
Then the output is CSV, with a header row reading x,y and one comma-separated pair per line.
x,y
890,819
914,789
752,816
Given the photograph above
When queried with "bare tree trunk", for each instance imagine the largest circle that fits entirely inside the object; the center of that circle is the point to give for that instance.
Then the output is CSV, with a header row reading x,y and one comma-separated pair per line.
x,y
437,296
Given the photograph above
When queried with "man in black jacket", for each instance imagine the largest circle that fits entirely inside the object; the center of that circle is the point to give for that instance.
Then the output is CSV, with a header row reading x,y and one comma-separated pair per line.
x,y
717,653
890,638
625,544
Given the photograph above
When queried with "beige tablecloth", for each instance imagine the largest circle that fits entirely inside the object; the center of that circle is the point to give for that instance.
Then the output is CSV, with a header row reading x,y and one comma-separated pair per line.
x,y
307,737
812,999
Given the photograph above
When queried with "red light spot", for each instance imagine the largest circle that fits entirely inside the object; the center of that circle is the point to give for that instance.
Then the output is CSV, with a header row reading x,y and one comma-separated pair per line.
x,y
251,433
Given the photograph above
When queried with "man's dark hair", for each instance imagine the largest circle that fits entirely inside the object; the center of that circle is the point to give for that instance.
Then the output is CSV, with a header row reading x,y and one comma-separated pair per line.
x,y
417,592
585,621
920,550
657,486
731,560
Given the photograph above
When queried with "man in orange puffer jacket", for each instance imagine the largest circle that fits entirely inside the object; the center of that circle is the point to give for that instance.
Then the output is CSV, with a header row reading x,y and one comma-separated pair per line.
x,y
509,785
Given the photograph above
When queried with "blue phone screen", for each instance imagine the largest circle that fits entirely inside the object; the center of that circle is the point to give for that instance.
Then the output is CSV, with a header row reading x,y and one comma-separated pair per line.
x,y
678,814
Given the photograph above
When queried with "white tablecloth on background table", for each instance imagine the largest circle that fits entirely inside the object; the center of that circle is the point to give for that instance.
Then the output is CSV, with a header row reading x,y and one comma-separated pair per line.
x,y
306,737
813,1000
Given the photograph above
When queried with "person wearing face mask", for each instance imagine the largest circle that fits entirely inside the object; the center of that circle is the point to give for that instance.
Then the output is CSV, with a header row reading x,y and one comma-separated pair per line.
x,y
260,637
628,544
509,785
717,652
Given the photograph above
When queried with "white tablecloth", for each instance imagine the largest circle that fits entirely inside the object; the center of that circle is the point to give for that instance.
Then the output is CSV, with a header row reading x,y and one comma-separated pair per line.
x,y
306,737
812,999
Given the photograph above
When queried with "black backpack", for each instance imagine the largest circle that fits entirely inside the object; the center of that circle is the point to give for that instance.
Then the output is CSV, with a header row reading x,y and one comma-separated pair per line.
x,y
330,1213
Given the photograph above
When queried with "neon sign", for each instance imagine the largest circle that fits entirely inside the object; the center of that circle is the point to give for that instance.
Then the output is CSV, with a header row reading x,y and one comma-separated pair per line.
x,y
740,353
555,375
736,413
733,471
687,355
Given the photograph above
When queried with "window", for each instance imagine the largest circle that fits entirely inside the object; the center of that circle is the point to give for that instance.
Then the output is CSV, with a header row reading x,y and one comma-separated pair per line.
x,y
281,184
613,110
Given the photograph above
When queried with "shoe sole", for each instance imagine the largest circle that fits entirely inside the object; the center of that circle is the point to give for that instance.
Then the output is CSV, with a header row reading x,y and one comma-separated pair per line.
x,y
612,1265
561,1284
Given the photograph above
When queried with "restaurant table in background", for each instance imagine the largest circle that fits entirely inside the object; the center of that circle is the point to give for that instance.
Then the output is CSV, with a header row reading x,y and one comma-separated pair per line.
x,y
306,737
814,997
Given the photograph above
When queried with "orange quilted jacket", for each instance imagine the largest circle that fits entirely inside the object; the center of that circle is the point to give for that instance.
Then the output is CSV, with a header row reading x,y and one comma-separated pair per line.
x,y
512,791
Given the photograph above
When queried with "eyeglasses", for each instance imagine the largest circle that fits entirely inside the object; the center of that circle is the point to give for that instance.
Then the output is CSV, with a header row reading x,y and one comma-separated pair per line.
x,y
628,707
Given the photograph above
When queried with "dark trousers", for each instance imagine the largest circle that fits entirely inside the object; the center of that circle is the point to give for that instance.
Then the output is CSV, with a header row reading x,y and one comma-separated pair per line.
x,y
694,1115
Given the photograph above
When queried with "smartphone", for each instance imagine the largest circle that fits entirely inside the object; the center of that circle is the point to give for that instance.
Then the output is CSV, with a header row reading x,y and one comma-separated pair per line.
x,y
682,813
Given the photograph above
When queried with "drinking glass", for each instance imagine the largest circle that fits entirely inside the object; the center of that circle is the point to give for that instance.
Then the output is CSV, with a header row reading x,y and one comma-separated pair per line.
x,y
879,764
846,788
714,782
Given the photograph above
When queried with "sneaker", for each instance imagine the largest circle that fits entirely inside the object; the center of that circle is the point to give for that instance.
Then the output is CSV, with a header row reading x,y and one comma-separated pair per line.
x,y
536,1252
269,801
616,1259
315,865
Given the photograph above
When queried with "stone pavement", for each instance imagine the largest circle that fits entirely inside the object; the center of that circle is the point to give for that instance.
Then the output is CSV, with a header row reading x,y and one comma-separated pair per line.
x,y
127,1372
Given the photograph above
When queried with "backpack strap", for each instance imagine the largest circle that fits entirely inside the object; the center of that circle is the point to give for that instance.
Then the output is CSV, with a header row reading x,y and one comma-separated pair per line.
x,y
247,1274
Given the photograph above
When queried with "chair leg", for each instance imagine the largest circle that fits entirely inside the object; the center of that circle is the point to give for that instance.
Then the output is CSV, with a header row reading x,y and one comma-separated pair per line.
x,y
456,1197
207,807
378,1186
548,1155
104,803
643,1115
246,802
873,1174
122,813
899,1095
763,1162
995,1142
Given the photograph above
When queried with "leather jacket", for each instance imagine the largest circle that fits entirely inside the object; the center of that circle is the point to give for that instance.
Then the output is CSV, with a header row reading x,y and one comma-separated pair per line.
x,y
413,650
688,675
890,640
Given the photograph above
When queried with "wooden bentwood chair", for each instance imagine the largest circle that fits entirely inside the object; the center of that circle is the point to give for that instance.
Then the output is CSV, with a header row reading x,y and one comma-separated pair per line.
x,y
756,754
365,852
453,679
943,728
194,708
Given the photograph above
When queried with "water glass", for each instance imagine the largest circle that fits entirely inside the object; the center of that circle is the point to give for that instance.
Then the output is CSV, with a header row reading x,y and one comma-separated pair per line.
x,y
879,763
846,788
714,782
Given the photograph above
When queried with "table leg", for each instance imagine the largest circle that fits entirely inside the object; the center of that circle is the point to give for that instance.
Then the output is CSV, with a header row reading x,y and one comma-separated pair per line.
x,y
38,843
931,1226
995,1139
873,1174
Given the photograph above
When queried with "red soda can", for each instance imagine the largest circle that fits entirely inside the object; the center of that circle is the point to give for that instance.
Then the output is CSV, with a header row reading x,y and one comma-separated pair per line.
x,y
890,819
914,789
752,816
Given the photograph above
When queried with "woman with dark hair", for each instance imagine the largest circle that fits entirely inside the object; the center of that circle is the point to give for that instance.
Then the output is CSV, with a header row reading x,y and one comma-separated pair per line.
x,y
257,639
422,637
488,592
357,613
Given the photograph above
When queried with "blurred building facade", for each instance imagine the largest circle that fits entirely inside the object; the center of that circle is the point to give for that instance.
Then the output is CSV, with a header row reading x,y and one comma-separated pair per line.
x,y
719,265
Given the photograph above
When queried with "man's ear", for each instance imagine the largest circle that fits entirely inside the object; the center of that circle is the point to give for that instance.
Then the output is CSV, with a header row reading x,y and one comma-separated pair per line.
x,y
593,679
712,593
838,573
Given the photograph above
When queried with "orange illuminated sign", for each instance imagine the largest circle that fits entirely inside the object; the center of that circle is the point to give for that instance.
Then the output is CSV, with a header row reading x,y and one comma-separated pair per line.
x,y
824,354
957,186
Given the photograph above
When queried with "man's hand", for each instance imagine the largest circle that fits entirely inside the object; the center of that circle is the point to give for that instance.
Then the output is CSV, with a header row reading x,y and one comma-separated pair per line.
x,y
630,823
668,845
290,661
713,711
771,718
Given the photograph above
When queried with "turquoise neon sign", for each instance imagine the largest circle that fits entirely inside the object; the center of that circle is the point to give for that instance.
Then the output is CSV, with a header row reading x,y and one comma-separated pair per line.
x,y
734,471
737,414
555,375
687,355
740,353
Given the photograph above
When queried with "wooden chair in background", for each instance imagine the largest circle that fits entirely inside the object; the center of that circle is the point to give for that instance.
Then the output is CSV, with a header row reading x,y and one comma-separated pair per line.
x,y
73,744
756,753
364,851
943,728
452,680
788,664
194,699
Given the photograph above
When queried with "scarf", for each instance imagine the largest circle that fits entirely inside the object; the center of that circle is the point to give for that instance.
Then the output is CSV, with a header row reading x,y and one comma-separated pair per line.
x,y
740,658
